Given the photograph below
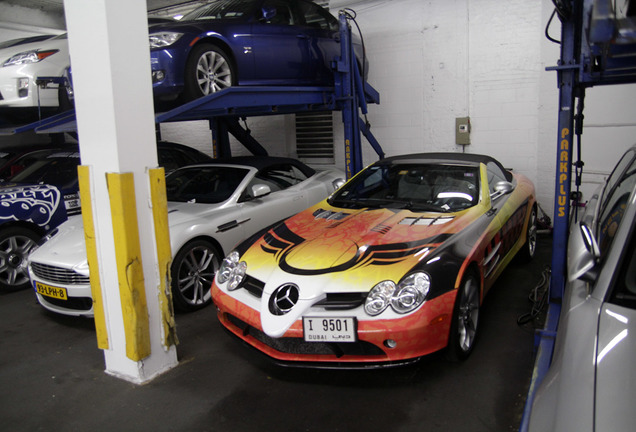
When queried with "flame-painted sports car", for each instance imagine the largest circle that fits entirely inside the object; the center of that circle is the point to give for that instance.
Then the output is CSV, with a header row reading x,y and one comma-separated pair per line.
x,y
392,266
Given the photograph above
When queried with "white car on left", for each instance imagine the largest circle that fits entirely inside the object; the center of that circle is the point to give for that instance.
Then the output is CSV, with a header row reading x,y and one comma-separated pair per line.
x,y
21,66
211,208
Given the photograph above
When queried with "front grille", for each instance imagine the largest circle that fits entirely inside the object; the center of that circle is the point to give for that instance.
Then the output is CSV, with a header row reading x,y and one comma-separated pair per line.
x,y
334,301
75,303
58,274
253,286
299,346
342,301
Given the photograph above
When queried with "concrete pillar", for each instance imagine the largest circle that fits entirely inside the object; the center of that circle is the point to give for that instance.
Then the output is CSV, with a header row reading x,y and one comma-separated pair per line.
x,y
124,213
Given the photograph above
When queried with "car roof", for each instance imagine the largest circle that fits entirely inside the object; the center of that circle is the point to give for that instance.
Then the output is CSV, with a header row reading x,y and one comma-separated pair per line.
x,y
442,156
447,157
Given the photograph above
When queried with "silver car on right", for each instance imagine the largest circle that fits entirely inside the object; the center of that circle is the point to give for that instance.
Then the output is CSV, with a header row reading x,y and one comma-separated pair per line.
x,y
591,383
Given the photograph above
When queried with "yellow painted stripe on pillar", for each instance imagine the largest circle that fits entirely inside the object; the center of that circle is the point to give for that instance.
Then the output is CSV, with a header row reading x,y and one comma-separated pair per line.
x,y
91,254
159,200
123,207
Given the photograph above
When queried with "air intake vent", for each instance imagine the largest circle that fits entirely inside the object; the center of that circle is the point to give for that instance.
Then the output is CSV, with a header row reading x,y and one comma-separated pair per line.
x,y
382,229
314,137
59,274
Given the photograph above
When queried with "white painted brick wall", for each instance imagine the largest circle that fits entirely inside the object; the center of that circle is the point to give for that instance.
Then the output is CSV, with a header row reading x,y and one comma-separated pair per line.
x,y
436,60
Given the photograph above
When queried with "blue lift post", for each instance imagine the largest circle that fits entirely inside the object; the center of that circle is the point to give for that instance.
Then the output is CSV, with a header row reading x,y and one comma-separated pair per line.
x,y
597,48
352,91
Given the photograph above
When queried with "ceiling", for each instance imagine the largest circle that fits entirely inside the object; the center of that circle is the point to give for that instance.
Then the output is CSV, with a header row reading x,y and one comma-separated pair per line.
x,y
57,6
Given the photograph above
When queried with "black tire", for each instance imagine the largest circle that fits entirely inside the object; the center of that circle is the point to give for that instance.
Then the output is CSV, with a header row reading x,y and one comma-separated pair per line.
x,y
192,272
529,248
16,243
465,324
209,69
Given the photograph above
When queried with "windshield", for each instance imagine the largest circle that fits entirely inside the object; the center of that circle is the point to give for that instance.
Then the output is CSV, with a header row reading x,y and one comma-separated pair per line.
x,y
208,185
615,202
224,9
57,168
417,187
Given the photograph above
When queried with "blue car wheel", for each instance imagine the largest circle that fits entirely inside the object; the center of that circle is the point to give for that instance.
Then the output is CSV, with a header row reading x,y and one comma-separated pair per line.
x,y
208,70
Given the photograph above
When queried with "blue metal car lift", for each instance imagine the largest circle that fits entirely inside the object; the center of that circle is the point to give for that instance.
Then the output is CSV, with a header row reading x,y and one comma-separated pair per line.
x,y
598,47
350,94
63,122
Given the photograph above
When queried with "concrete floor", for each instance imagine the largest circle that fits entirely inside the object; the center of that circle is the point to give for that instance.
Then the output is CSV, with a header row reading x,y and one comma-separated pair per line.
x,y
52,379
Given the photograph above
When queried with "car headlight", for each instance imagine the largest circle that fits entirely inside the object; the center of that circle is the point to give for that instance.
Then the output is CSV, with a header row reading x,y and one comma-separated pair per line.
x,y
379,298
232,271
163,39
405,297
411,292
25,57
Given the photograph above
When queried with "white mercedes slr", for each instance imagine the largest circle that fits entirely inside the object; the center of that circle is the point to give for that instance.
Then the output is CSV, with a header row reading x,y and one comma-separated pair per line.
x,y
211,207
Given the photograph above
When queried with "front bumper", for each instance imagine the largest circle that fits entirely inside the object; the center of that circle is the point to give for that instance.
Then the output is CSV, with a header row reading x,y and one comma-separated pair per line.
x,y
415,335
168,66
78,303
30,95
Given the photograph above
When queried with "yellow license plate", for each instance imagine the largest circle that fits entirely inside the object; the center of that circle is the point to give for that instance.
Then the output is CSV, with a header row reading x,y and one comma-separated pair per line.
x,y
51,291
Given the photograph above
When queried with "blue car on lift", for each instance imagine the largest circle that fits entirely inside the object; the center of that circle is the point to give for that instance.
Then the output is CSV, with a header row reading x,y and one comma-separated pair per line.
x,y
44,193
248,42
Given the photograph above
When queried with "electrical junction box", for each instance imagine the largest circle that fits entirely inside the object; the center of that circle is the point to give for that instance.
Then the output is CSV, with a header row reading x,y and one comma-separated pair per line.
x,y
462,130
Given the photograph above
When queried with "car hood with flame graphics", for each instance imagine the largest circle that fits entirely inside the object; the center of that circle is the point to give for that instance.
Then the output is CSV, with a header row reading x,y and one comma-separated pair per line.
x,y
329,250
324,241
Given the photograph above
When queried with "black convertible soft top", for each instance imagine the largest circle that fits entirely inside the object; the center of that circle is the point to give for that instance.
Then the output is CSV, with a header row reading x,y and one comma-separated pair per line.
x,y
442,157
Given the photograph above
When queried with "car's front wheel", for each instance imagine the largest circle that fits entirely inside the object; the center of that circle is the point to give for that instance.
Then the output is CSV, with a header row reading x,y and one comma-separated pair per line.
x,y
465,321
192,272
16,243
209,69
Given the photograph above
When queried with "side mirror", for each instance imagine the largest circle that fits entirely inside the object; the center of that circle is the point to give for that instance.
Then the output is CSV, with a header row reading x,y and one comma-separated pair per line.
x,y
583,254
501,188
337,183
269,12
260,190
